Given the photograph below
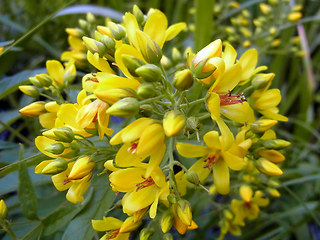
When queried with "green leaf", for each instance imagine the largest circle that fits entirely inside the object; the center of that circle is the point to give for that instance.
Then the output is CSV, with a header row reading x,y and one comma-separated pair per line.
x,y
31,161
26,193
102,200
64,215
10,84
35,233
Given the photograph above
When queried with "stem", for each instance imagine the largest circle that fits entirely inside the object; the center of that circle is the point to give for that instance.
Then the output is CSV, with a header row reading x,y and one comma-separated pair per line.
x,y
201,100
204,116
6,227
16,133
47,96
152,99
172,178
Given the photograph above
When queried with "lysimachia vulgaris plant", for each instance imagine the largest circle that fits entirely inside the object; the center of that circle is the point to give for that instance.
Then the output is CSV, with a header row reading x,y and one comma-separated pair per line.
x,y
189,122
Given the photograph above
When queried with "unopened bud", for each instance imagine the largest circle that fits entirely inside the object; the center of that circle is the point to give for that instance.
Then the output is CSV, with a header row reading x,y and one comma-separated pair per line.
x,y
146,110
167,236
183,211
183,79
273,192
90,18
138,14
272,155
94,46
75,32
31,91
173,123
262,80
83,24
265,8
108,42
3,210
166,221
124,107
64,134
295,16
268,167
146,233
55,148
192,124
192,177
149,49
82,167
149,73
113,95
263,125
56,166
146,90
118,31
35,82
275,144
176,55
34,109
172,198
44,79
166,62
132,63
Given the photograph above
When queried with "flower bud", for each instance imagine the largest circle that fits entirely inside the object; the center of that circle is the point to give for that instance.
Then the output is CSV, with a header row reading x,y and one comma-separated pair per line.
x,y
166,221
192,124
3,210
31,91
146,90
295,16
55,148
113,95
83,24
138,14
265,8
167,236
262,125
56,166
183,79
149,49
34,109
75,32
94,46
268,167
44,79
273,192
192,177
272,155
262,80
246,193
275,144
124,107
199,66
146,233
149,73
172,198
108,42
35,82
146,110
117,31
64,134
82,167
90,17
173,123
166,62
132,63
176,55
183,211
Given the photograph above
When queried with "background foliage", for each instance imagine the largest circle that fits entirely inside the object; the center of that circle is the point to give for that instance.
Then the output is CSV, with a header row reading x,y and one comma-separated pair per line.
x,y
34,205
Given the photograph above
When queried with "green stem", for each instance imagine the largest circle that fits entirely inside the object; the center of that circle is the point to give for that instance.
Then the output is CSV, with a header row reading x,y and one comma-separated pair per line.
x,y
152,99
204,116
16,133
201,100
47,96
6,227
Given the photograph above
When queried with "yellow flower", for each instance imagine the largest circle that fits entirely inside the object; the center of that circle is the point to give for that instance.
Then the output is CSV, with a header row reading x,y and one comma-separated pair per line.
x,y
248,207
48,119
173,123
180,225
60,74
77,53
115,229
142,190
34,109
216,158
295,16
82,167
3,210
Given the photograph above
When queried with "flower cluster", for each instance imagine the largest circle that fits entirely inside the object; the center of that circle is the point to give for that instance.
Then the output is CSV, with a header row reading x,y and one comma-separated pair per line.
x,y
168,104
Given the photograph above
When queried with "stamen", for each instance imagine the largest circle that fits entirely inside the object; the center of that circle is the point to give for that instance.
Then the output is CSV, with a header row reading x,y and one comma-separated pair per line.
x,y
92,80
112,233
66,181
133,147
247,205
211,159
95,119
229,99
146,183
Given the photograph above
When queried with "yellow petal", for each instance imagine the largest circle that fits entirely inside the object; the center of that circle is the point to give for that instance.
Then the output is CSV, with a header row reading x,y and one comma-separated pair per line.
x,y
60,180
154,206
128,50
269,168
199,168
213,105
221,177
124,180
99,63
248,62
125,158
77,189
174,30
273,115
38,169
229,80
155,159
246,193
156,27
229,55
47,120
103,122
272,155
227,138
233,161
108,81
191,151
42,142
108,223
130,22
129,225
239,112
55,70
268,99
212,140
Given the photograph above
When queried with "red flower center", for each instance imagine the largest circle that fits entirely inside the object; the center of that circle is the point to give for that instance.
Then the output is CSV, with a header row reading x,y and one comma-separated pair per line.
x,y
112,233
211,159
229,99
146,183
